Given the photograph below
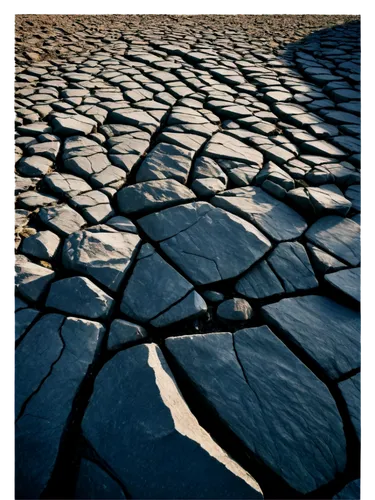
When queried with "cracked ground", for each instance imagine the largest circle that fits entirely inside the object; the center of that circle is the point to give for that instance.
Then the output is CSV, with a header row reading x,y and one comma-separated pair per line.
x,y
187,234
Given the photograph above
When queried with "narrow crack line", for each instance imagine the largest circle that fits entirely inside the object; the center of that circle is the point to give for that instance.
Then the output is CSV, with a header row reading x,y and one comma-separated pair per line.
x,y
171,306
206,258
26,402
187,228
30,326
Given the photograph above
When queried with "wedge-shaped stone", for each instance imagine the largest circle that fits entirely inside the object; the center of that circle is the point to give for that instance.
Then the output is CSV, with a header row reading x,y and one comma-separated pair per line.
x,y
260,282
65,125
62,219
338,236
31,279
153,288
207,243
271,216
261,392
328,332
140,425
78,295
104,256
166,161
291,265
348,281
226,147
94,482
38,432
146,197
318,201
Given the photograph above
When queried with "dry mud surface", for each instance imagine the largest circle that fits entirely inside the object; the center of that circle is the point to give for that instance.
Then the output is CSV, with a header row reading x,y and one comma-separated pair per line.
x,y
187,237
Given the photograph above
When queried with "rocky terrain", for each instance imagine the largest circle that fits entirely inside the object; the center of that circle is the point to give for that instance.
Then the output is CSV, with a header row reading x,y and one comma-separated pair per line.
x,y
187,234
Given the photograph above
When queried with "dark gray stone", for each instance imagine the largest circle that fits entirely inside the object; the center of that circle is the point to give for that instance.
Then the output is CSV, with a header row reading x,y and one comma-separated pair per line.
x,y
38,431
105,256
338,236
207,243
319,201
153,287
31,280
351,392
189,308
260,282
328,332
276,219
23,319
291,264
166,161
94,483
351,491
348,281
42,245
129,434
323,262
123,333
78,295
150,196
255,384
62,219
234,310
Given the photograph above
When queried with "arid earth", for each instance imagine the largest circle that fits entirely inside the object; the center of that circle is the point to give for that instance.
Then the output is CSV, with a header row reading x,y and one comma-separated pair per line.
x,y
187,238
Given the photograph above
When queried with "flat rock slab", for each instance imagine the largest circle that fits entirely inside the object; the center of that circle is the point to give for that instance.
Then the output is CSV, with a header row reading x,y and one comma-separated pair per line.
x,y
254,384
32,280
105,256
348,281
65,125
147,197
224,146
42,245
135,433
122,333
62,219
351,392
327,332
208,244
38,431
320,201
94,205
166,161
94,483
78,295
291,264
338,236
154,287
38,350
260,282
271,216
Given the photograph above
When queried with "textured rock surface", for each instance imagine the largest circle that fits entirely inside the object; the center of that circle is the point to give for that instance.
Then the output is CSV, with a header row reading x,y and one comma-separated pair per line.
x,y
135,428
177,176
256,401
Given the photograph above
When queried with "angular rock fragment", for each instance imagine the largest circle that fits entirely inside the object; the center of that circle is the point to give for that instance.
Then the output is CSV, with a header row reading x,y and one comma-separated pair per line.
x,y
166,161
42,245
65,125
136,426
351,392
207,243
102,255
319,201
350,492
254,384
62,219
31,280
150,196
23,319
347,281
73,345
274,218
123,333
338,236
78,295
327,332
260,282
